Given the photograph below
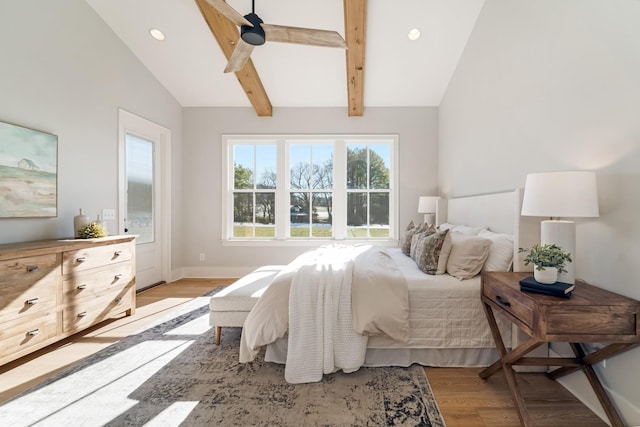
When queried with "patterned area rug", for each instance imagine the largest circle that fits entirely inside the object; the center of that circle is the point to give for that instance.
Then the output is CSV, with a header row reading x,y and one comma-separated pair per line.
x,y
173,374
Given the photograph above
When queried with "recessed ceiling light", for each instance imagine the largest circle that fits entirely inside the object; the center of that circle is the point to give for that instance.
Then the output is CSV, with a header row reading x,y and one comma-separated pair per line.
x,y
414,34
156,34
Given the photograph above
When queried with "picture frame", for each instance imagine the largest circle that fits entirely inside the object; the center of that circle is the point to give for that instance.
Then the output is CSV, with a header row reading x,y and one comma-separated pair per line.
x,y
28,173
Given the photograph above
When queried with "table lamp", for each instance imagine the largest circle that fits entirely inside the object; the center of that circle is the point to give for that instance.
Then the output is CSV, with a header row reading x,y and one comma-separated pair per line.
x,y
570,194
427,206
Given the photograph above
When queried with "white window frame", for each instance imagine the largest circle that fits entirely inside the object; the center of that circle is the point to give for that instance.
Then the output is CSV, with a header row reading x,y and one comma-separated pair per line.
x,y
282,188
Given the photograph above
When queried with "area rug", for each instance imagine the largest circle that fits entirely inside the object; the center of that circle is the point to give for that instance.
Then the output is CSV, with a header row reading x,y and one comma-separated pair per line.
x,y
173,374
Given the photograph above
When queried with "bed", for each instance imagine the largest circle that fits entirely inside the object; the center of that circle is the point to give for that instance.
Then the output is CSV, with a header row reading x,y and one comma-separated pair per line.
x,y
446,322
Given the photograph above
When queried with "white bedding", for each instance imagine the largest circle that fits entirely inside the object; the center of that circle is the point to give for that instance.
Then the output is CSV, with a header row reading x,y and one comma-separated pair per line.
x,y
447,325
329,300
444,312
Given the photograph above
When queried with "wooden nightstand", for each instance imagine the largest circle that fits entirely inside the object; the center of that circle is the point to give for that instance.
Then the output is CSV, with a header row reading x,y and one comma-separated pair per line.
x,y
590,315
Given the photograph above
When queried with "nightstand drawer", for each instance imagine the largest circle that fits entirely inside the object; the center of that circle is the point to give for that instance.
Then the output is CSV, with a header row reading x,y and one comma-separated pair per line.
x,y
599,321
510,300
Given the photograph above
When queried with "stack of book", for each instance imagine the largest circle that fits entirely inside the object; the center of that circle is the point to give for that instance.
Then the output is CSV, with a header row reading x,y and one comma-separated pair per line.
x,y
558,289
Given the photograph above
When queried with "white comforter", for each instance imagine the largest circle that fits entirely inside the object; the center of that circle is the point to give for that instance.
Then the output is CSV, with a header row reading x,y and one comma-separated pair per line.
x,y
329,300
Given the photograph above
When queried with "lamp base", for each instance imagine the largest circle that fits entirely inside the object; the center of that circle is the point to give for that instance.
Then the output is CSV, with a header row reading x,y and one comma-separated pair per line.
x,y
563,234
430,218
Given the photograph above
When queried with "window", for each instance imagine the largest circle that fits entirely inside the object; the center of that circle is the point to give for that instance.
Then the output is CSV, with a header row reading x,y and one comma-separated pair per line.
x,y
306,188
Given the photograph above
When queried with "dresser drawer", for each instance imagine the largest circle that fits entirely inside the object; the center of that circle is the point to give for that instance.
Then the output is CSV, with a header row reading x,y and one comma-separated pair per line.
x,y
90,284
20,272
19,335
511,300
91,311
28,285
88,258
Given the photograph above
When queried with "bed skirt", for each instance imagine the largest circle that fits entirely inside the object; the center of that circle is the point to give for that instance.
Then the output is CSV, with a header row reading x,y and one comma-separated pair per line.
x,y
436,357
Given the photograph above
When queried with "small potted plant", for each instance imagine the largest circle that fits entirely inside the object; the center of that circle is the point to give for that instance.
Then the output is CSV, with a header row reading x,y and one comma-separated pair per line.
x,y
548,260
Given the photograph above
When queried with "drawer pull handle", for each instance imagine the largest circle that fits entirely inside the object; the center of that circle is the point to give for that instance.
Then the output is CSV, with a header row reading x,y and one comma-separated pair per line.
x,y
503,302
118,276
81,259
33,301
82,314
117,253
33,333
32,268
81,287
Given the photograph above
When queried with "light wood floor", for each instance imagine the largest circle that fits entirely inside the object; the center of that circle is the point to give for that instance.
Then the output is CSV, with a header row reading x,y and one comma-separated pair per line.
x,y
464,399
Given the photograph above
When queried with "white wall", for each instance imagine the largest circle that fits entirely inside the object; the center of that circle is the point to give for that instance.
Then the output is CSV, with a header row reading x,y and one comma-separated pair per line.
x,y
552,85
203,127
65,72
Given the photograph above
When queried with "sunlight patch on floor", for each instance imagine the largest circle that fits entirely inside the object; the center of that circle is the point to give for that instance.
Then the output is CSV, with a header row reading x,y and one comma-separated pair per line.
x,y
107,391
173,415
197,326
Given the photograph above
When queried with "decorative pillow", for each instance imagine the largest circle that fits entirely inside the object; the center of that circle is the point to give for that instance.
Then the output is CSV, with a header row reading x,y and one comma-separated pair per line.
x,y
427,251
468,254
500,253
405,238
425,230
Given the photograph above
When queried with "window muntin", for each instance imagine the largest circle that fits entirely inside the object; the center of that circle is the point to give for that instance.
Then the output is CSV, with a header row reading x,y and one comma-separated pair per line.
x,y
308,188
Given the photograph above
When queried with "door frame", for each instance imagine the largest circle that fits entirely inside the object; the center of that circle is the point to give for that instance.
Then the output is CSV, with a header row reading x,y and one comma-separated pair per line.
x,y
131,123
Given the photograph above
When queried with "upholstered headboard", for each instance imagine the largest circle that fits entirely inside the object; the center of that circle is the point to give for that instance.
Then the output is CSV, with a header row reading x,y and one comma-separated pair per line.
x,y
500,212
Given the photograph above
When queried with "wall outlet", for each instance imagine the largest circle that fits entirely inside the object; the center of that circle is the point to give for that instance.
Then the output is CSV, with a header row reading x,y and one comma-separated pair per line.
x,y
108,214
201,256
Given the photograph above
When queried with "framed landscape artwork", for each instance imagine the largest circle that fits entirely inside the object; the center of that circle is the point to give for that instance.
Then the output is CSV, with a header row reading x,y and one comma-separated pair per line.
x,y
28,172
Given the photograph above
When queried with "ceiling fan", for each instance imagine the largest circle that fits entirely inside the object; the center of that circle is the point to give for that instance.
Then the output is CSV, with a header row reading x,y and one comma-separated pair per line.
x,y
254,32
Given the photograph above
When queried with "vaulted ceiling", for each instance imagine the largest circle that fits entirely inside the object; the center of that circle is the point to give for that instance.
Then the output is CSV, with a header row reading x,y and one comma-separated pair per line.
x,y
381,66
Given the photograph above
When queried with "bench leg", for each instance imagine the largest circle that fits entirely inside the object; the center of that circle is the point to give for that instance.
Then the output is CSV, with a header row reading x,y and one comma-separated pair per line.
x,y
218,333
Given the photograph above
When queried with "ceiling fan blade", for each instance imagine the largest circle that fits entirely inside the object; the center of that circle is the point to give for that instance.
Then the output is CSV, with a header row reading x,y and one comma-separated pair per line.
x,y
310,36
235,17
239,57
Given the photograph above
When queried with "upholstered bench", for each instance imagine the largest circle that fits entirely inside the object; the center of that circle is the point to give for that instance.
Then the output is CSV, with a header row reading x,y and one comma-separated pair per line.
x,y
232,305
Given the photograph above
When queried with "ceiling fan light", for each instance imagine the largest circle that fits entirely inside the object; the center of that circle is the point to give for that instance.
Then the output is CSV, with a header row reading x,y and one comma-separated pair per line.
x,y
253,35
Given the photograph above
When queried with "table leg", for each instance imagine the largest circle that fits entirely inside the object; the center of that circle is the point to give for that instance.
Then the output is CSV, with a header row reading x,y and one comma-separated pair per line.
x,y
601,393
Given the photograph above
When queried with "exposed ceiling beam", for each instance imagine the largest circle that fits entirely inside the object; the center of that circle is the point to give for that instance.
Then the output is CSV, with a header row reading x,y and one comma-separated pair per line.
x,y
355,16
227,35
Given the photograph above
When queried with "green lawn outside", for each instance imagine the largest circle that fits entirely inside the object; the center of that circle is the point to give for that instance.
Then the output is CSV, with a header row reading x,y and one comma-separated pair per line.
x,y
269,232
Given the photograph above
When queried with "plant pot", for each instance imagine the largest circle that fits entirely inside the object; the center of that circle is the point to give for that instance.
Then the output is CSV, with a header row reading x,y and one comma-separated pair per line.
x,y
547,276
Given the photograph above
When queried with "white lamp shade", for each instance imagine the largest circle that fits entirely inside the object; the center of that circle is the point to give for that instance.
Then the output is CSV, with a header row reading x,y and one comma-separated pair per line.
x,y
427,204
571,194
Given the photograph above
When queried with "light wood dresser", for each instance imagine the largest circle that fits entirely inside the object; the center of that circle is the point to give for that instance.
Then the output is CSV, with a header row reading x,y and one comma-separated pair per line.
x,y
51,289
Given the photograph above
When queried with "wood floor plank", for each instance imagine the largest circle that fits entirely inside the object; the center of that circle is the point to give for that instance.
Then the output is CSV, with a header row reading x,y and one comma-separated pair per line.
x,y
467,400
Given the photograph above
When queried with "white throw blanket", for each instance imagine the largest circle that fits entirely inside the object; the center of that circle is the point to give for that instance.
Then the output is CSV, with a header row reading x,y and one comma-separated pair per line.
x,y
329,300
321,335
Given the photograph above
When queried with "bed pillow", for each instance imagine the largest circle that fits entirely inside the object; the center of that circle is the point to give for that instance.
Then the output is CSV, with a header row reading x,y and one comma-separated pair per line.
x,y
464,229
500,253
444,254
468,255
426,230
427,251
